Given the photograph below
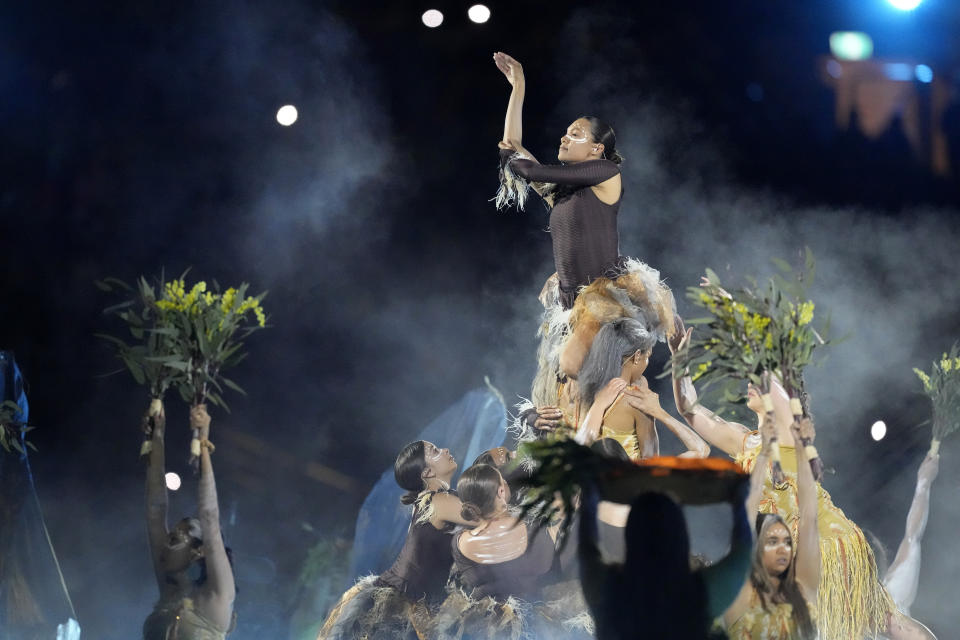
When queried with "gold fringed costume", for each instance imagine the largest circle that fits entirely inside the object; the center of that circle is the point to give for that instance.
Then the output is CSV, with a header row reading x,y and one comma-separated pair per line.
x,y
851,602
774,623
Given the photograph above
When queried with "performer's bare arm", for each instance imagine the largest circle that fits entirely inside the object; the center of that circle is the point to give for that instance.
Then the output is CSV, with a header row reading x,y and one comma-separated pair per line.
x,y
904,573
447,508
808,542
218,592
513,122
726,436
156,489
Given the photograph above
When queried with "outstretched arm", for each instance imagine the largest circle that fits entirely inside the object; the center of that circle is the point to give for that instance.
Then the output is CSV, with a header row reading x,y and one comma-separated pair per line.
x,y
447,508
808,544
219,590
156,489
580,174
904,573
513,71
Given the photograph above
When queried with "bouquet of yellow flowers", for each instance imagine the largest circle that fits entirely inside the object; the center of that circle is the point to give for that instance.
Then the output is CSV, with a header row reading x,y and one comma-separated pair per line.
x,y
184,338
942,386
752,333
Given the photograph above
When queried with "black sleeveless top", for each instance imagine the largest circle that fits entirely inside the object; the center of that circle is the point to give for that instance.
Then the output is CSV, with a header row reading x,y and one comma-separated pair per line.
x,y
586,244
521,577
422,568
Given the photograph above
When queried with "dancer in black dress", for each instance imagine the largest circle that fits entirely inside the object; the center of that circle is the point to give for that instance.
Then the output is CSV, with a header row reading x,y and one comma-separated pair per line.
x,y
398,602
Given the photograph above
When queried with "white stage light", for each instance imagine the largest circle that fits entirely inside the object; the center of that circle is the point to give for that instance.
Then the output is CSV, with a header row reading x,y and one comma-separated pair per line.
x,y
287,115
905,5
173,481
851,45
878,430
478,13
432,18
924,73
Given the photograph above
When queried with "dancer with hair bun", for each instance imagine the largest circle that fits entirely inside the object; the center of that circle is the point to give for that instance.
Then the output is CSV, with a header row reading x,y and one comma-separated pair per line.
x,y
501,567
398,602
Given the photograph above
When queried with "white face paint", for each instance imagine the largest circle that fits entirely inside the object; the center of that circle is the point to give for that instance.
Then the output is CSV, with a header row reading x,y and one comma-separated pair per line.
x,y
575,144
771,545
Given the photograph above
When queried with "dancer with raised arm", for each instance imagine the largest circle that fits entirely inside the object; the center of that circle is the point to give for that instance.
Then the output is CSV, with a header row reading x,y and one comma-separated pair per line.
x,y
776,601
852,602
190,608
903,575
583,194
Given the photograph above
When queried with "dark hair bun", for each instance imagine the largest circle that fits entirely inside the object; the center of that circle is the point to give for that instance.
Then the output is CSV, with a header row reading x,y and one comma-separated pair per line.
x,y
614,157
409,497
471,512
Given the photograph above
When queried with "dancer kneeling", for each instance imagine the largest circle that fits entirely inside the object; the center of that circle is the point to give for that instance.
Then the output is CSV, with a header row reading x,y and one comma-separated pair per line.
x,y
397,604
500,565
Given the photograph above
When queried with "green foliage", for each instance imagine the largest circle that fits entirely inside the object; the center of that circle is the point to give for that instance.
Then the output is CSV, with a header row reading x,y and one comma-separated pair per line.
x,y
183,338
11,429
752,330
942,386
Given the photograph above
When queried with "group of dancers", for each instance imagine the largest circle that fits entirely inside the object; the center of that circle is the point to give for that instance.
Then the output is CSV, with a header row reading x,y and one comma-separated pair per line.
x,y
474,566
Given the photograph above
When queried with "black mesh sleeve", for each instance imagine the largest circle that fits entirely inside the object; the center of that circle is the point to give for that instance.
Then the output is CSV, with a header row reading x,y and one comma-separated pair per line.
x,y
580,174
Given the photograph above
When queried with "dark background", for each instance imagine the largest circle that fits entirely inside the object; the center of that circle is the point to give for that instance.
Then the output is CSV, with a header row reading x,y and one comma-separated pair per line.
x,y
143,137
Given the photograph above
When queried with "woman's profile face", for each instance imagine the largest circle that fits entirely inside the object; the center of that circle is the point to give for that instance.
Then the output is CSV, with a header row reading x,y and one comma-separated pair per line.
x,y
577,144
438,460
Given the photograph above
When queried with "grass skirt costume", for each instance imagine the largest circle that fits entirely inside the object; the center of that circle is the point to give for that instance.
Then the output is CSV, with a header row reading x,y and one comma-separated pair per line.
x,y
632,290
513,600
852,604
396,604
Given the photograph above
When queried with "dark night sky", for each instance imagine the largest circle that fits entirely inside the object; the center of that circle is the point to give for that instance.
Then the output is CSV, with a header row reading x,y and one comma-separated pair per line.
x,y
142,137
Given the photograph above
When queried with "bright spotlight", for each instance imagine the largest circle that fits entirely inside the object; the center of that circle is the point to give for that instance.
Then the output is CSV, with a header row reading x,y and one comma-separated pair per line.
x,y
173,481
287,115
878,430
432,18
924,73
478,13
850,45
905,5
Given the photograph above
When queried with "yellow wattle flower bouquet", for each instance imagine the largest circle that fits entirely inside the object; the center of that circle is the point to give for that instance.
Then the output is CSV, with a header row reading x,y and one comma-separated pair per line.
x,y
183,337
752,331
942,386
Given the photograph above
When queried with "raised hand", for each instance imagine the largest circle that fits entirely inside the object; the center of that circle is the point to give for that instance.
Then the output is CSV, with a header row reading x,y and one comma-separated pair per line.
x,y
510,68
680,339
200,421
